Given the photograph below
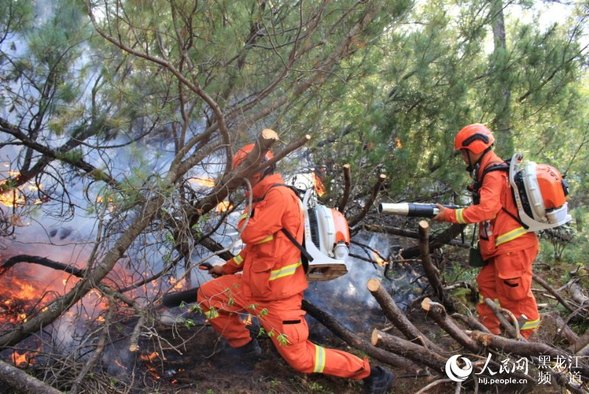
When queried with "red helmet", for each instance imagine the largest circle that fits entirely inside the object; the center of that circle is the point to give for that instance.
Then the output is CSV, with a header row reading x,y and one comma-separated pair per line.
x,y
242,153
474,137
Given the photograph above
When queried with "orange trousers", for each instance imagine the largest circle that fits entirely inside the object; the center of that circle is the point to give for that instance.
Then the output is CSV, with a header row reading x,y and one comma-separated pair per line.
x,y
507,279
222,300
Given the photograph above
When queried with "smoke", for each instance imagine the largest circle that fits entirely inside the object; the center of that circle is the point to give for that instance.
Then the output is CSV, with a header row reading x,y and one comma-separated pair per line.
x,y
347,298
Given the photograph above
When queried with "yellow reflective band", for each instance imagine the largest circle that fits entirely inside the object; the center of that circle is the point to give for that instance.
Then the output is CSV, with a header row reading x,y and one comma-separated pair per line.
x,y
264,240
238,259
459,216
510,236
530,325
319,359
243,216
287,270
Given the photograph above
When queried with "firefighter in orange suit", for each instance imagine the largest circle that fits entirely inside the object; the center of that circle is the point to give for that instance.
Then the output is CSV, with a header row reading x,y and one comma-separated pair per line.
x,y
507,248
267,279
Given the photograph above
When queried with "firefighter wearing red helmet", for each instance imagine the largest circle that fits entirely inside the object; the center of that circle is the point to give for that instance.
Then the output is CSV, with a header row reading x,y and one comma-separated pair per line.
x,y
267,279
506,247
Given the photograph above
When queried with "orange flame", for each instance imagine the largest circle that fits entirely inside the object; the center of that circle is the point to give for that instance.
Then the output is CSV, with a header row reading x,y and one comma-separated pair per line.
x,y
21,359
319,186
207,182
223,206
16,197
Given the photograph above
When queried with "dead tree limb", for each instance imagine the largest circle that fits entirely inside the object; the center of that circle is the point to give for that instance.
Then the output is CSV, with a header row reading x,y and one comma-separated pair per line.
x,y
23,382
508,326
527,349
562,328
252,164
552,291
347,185
397,317
368,203
438,313
581,347
443,238
409,350
359,343
471,322
45,262
435,242
431,272
577,294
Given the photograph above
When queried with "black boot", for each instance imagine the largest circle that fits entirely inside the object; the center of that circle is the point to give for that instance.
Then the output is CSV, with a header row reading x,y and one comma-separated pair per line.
x,y
250,351
379,381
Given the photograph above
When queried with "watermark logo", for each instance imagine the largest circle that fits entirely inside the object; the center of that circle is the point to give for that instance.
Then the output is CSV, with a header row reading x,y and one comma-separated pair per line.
x,y
457,373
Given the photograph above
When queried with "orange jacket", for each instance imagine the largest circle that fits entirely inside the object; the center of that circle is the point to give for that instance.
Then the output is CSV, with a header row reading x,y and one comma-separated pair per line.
x,y
499,233
271,263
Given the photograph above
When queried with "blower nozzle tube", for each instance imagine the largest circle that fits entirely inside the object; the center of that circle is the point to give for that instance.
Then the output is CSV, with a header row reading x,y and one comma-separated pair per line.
x,y
412,209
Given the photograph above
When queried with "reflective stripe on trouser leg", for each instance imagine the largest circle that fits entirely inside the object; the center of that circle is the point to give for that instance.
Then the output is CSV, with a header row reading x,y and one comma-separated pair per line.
x,y
319,359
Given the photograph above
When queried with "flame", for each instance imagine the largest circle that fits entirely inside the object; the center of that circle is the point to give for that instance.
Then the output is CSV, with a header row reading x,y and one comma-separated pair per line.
x,y
11,198
207,182
25,292
16,197
223,206
148,360
149,357
319,186
23,359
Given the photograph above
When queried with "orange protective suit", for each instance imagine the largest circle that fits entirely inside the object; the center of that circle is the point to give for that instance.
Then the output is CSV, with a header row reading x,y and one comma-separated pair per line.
x,y
267,279
506,247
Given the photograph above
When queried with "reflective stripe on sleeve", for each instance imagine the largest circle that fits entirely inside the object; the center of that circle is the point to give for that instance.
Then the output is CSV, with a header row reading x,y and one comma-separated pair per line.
x,y
264,240
287,270
238,259
319,359
460,216
510,235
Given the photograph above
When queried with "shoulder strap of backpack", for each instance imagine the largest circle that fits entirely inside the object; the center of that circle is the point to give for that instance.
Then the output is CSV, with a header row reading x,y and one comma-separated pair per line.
x,y
307,256
504,166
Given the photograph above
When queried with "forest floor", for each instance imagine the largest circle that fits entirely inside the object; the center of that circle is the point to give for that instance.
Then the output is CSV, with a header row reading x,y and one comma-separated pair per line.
x,y
205,368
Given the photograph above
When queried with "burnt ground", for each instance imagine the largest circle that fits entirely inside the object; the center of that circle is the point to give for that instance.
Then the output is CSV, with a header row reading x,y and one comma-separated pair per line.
x,y
204,366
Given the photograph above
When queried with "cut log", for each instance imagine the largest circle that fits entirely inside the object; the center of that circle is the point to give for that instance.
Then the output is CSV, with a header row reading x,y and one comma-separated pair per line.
x,y
431,272
409,350
22,382
438,313
397,317
471,322
526,349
